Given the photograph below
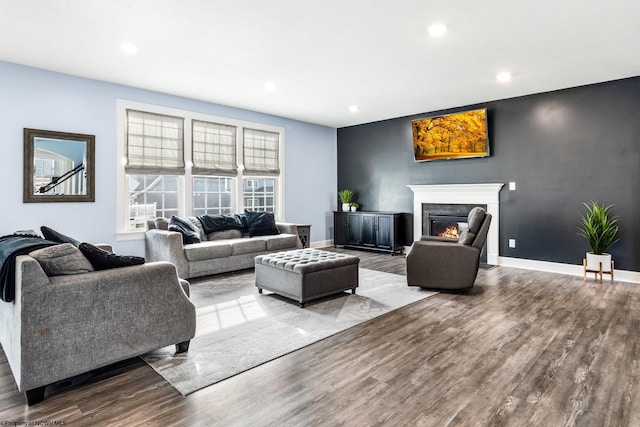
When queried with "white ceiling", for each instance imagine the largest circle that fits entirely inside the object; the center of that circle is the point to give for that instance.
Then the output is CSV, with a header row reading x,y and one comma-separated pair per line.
x,y
326,55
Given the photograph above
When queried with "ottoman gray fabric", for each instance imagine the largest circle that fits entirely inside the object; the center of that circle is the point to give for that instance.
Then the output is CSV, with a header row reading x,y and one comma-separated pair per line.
x,y
306,274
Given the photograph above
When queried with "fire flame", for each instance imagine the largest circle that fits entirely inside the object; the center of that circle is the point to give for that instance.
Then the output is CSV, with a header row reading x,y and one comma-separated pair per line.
x,y
451,231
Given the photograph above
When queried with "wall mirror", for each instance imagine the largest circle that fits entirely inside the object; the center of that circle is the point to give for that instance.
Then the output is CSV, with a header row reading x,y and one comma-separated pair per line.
x,y
58,167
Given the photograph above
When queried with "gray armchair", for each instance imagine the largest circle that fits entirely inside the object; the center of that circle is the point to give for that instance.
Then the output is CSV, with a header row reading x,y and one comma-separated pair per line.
x,y
449,265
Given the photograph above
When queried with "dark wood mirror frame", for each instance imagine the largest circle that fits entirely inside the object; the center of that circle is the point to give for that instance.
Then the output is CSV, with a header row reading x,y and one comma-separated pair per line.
x,y
30,195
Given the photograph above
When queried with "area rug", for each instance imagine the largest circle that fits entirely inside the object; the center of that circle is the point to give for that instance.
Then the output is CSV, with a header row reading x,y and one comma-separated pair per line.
x,y
239,329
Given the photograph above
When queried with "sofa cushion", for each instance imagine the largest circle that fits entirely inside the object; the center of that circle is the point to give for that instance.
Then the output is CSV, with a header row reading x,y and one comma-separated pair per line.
x,y
62,259
261,223
190,233
281,241
227,234
208,250
247,245
54,236
103,260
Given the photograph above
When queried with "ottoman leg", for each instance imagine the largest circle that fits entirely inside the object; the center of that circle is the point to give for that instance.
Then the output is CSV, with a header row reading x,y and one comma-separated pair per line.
x,y
353,291
302,304
259,290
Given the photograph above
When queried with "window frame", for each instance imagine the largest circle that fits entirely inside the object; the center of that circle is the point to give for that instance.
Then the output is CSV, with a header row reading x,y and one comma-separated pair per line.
x,y
185,182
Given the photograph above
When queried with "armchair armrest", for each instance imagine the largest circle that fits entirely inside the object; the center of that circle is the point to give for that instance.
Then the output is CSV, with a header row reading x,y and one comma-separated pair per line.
x,y
442,265
164,245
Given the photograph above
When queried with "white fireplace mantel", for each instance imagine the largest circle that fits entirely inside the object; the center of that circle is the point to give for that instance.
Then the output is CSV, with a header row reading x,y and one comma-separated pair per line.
x,y
481,194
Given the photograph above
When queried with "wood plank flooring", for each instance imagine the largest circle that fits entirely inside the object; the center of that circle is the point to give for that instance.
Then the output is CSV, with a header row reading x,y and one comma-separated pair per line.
x,y
523,348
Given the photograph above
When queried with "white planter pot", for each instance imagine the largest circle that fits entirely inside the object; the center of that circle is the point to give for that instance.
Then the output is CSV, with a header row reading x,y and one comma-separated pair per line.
x,y
593,262
353,208
345,207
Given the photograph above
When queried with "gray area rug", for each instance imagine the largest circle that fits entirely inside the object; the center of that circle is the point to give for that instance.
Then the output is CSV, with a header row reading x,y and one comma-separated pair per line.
x,y
239,329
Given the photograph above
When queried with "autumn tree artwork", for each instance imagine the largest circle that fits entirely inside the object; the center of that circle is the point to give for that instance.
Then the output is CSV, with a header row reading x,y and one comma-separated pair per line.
x,y
456,135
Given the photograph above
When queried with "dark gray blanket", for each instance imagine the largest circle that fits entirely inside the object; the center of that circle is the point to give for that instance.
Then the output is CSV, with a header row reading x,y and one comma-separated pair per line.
x,y
10,247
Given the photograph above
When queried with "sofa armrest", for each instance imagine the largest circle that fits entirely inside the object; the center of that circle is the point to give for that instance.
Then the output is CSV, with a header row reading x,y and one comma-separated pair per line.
x,y
29,276
164,245
289,228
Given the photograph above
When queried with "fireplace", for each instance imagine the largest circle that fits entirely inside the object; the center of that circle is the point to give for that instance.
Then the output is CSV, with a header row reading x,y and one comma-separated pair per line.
x,y
447,226
448,220
437,218
460,198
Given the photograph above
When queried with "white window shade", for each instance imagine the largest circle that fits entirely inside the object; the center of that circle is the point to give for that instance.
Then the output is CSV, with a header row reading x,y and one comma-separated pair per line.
x,y
155,144
214,149
261,152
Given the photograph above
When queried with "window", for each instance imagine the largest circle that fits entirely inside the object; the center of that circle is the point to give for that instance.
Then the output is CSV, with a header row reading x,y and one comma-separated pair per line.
x,y
211,195
182,163
259,194
151,196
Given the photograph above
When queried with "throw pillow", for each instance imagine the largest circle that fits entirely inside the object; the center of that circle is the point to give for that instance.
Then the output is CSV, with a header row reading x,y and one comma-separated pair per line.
x,y
161,223
61,259
184,227
214,223
103,260
261,223
54,236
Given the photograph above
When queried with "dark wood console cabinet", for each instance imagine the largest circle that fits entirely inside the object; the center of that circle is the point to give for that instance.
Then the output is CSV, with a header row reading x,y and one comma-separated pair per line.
x,y
380,231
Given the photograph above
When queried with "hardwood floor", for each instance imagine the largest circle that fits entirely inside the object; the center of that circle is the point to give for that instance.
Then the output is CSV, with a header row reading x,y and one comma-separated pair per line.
x,y
523,348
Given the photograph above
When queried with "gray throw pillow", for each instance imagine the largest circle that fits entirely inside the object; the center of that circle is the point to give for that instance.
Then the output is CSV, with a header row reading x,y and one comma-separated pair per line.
x,y
62,259
162,223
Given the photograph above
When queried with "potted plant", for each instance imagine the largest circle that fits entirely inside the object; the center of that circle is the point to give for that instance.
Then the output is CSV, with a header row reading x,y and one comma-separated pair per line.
x,y
354,206
600,229
345,197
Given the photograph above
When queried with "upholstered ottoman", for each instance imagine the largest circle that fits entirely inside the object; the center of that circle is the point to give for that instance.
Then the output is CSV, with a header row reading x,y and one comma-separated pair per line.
x,y
306,274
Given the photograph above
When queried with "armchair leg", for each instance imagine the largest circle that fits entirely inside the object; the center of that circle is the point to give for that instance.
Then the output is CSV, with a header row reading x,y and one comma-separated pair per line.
x,y
182,347
35,395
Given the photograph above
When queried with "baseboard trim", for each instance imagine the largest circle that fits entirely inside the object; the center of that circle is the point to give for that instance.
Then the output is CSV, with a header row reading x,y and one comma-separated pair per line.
x,y
571,269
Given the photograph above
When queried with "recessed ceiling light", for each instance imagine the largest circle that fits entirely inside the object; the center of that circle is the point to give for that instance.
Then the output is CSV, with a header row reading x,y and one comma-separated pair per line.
x,y
129,48
270,86
353,108
503,77
437,30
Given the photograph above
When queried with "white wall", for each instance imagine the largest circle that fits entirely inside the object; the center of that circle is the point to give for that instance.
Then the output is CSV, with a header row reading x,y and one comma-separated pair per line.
x,y
40,99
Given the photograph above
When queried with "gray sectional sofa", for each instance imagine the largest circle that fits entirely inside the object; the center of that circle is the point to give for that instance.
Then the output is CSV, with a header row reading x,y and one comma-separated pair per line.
x,y
217,252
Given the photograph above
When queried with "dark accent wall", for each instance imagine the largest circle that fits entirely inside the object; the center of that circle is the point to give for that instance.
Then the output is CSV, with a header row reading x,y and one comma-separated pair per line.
x,y
562,148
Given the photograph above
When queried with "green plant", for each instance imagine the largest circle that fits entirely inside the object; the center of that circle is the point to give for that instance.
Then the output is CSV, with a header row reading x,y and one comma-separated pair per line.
x,y
599,227
354,205
345,196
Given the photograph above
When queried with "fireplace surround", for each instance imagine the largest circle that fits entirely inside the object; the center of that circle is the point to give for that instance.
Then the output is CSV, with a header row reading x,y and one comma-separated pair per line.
x,y
486,195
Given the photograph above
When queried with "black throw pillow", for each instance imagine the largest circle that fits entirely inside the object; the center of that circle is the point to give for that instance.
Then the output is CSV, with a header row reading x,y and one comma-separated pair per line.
x,y
103,260
183,226
214,223
54,236
261,223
